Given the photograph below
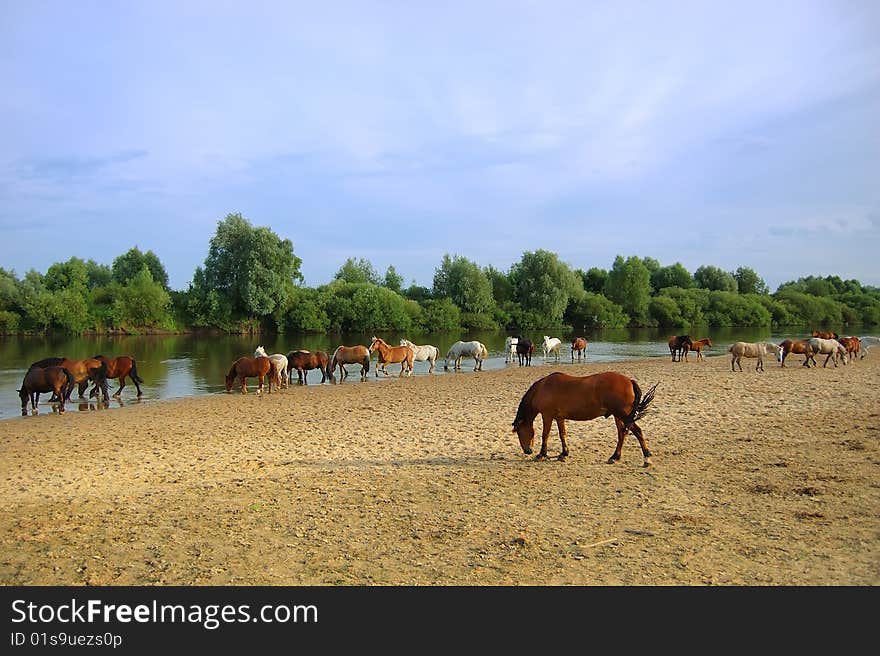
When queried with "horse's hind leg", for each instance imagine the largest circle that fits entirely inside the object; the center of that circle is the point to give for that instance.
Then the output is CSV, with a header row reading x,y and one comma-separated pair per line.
x,y
121,386
646,453
621,433
560,425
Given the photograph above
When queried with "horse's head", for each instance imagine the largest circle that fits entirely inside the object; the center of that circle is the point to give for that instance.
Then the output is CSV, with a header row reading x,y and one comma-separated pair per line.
x,y
260,353
229,381
708,342
526,433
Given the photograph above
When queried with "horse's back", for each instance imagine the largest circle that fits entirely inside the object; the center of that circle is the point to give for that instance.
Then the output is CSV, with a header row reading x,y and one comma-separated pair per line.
x,y
585,397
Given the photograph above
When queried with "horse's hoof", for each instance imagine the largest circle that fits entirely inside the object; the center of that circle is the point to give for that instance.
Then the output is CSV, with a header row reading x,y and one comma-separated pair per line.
x,y
561,457
647,463
541,456
611,460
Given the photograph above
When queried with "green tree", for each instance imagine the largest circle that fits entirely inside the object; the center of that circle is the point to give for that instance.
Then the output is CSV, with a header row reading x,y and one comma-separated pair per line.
x,y
143,302
629,285
358,270
674,275
128,265
589,310
714,279
543,285
72,274
99,275
502,286
393,280
594,280
465,283
247,274
749,282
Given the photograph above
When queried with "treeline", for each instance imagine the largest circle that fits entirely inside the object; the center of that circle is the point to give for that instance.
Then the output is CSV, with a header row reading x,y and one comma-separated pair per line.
x,y
251,281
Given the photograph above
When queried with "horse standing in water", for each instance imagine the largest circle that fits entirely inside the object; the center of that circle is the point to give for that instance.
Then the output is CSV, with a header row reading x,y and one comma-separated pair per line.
x,y
118,367
551,345
510,349
281,364
38,380
261,368
558,396
392,355
424,353
679,345
304,361
474,349
579,346
83,372
741,350
344,355
524,350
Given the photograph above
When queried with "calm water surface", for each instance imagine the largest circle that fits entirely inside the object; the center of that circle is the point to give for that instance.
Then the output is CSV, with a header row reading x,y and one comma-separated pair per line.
x,y
184,365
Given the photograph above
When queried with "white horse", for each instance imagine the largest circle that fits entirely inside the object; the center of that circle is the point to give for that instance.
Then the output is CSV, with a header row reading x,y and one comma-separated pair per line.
x,y
423,353
867,342
741,350
830,347
476,350
551,345
510,350
280,361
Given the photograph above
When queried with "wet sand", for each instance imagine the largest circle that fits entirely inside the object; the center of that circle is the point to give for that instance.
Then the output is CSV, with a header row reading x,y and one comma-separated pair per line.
x,y
758,479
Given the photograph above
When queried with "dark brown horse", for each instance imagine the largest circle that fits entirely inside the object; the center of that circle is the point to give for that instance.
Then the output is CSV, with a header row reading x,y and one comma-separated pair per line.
x,y
305,361
679,345
118,367
825,334
392,355
246,367
524,351
697,346
579,346
344,355
83,372
559,396
798,346
38,380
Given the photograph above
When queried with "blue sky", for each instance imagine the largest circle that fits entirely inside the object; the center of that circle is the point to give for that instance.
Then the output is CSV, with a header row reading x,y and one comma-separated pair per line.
x,y
731,134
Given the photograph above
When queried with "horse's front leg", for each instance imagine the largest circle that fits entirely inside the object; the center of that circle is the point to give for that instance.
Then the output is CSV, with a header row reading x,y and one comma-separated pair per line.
x,y
621,433
545,433
560,425
243,385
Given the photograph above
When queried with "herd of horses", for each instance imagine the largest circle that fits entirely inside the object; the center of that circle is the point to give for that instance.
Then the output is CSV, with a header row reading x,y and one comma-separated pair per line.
x,y
835,348
60,375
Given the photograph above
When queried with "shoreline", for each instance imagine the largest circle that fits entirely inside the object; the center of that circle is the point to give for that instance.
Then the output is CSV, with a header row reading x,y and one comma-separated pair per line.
x,y
758,479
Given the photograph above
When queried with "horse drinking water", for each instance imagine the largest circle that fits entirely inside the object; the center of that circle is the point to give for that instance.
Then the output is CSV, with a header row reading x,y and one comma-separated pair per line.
x,y
38,380
558,396
579,346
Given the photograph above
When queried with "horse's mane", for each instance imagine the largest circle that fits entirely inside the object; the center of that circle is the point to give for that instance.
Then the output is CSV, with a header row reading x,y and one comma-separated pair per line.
x,y
231,371
524,403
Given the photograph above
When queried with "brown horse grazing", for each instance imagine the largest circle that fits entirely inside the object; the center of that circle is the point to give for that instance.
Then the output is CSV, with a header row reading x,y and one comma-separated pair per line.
x,y
559,396
392,355
852,345
697,346
579,346
679,345
824,335
118,367
798,346
344,355
246,367
305,361
38,380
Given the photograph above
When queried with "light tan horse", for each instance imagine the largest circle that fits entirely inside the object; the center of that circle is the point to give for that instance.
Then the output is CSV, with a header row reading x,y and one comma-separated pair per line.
x,y
392,355
741,350
830,347
344,355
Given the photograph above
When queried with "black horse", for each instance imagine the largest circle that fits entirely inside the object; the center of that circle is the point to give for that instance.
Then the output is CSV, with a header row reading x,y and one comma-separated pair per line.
x,y
524,350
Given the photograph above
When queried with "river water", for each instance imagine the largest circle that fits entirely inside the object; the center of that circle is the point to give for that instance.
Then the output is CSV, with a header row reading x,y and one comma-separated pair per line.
x,y
179,366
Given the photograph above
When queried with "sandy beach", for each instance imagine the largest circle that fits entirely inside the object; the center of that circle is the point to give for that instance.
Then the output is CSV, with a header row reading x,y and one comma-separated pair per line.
x,y
758,479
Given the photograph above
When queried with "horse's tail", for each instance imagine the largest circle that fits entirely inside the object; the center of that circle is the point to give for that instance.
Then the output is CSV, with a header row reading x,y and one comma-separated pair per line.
x,y
134,372
522,412
640,403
